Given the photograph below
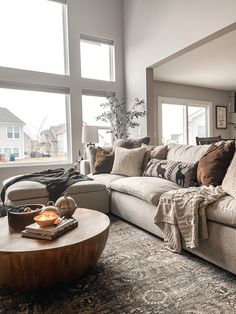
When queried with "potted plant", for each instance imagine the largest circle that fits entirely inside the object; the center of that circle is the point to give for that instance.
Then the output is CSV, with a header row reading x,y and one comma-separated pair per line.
x,y
116,113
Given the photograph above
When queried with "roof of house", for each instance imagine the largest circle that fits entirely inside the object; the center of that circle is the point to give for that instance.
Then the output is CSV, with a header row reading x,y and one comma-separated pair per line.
x,y
58,129
7,116
47,133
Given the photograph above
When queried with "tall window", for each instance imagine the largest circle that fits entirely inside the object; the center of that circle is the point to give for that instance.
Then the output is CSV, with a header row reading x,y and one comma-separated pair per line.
x,y
183,120
35,40
91,109
97,58
34,104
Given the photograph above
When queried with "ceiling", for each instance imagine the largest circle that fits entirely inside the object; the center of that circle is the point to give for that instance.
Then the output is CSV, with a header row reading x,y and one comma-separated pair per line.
x,y
209,63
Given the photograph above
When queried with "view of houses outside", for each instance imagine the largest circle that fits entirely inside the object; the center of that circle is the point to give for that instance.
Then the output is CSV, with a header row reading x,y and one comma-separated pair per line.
x,y
35,133
17,145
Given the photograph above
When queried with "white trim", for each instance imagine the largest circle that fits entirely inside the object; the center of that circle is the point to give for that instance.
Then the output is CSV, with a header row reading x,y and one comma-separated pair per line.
x,y
186,102
59,1
93,39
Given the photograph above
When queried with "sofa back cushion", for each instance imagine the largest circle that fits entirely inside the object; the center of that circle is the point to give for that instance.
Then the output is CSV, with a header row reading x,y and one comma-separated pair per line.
x,y
213,165
130,143
229,182
178,172
186,153
128,162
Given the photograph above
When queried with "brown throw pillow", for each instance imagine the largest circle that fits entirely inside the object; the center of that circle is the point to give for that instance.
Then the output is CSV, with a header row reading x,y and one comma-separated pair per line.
x,y
213,165
104,161
157,152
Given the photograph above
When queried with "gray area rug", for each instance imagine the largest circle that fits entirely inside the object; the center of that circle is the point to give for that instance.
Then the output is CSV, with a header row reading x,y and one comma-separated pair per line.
x,y
136,274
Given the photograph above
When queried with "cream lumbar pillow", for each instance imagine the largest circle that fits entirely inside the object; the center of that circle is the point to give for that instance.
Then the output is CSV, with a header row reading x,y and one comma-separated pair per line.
x,y
229,182
128,162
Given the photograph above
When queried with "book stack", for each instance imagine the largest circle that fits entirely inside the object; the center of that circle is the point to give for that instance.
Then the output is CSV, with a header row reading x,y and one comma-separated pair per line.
x,y
49,233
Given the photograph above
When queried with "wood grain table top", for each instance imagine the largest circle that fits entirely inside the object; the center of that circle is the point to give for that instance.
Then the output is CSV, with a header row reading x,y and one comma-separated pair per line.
x,y
90,224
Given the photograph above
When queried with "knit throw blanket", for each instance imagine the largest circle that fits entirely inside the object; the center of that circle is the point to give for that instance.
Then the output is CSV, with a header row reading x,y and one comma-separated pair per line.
x,y
182,213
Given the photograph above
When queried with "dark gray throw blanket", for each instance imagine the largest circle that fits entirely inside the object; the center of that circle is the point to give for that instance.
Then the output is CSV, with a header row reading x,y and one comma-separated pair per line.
x,y
56,181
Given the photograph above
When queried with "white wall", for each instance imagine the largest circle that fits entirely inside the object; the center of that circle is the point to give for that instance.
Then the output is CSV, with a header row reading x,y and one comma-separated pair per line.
x,y
100,18
155,29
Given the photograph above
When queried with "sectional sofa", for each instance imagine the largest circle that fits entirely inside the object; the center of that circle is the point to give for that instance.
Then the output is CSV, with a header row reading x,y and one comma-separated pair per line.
x,y
135,199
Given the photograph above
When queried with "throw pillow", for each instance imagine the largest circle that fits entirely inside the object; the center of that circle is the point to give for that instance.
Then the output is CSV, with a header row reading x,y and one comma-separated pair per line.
x,y
132,142
104,161
128,162
175,171
91,154
158,152
213,165
229,183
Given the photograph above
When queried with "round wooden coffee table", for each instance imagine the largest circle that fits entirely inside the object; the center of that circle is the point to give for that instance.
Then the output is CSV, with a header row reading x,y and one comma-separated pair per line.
x,y
27,264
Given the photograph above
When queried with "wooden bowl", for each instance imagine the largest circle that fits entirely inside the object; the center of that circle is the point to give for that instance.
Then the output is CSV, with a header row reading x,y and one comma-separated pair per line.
x,y
18,221
46,219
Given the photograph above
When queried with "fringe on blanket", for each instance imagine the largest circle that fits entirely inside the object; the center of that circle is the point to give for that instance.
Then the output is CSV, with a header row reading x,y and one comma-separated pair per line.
x,y
181,215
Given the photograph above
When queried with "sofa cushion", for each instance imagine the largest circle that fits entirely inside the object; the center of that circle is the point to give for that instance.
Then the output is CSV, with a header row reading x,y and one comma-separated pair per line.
x,y
223,211
213,165
186,153
178,172
145,188
128,162
25,190
229,182
106,178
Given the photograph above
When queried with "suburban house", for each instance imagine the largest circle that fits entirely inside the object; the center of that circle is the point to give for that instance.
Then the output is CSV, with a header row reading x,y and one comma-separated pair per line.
x,y
53,140
107,207
12,135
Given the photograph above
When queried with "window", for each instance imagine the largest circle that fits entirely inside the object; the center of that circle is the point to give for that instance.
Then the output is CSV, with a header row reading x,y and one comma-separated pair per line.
x,y
16,152
34,106
41,117
183,120
35,41
13,132
97,58
91,109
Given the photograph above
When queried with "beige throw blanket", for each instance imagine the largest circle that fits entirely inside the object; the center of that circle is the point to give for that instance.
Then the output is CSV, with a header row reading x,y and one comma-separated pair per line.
x,y
182,213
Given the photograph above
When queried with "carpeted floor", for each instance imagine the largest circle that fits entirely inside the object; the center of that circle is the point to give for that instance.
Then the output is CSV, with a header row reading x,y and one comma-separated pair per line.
x,y
136,275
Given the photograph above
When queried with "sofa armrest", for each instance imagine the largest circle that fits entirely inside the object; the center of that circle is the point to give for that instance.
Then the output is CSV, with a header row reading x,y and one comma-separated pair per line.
x,y
85,166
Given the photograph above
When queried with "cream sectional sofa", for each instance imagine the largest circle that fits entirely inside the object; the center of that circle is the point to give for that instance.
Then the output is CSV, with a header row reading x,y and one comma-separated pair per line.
x,y
135,199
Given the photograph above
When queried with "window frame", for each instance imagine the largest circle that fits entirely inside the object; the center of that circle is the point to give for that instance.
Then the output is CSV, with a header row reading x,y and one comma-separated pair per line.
x,y
187,103
111,43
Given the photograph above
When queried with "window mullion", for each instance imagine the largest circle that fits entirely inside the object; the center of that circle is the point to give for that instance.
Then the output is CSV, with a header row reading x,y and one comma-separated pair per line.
x,y
186,124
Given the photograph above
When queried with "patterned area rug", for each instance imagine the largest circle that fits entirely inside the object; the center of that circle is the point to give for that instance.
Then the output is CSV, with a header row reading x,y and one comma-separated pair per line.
x,y
136,274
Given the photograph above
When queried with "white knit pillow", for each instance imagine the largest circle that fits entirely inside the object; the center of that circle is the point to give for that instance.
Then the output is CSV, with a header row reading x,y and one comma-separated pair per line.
x,y
128,162
229,182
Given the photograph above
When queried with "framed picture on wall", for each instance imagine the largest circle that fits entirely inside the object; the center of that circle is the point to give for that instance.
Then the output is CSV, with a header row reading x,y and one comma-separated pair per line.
x,y
221,117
